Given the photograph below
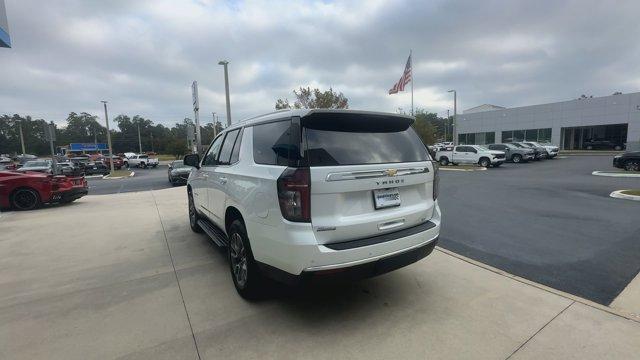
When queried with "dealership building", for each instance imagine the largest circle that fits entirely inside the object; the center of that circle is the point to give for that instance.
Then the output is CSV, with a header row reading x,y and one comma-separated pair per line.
x,y
568,124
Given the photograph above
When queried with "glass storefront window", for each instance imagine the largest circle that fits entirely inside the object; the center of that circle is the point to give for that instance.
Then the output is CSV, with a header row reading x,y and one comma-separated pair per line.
x,y
544,135
531,135
462,139
490,137
479,138
518,135
507,136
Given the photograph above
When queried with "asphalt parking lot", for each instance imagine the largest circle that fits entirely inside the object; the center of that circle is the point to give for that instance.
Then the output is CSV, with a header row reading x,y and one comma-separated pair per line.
x,y
144,179
141,285
551,222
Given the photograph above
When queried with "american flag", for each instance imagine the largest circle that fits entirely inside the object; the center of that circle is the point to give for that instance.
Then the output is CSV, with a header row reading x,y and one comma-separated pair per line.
x,y
404,79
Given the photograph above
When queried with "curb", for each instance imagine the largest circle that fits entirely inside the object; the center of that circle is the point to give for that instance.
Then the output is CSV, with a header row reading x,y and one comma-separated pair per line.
x,y
107,177
447,169
94,176
619,195
615,174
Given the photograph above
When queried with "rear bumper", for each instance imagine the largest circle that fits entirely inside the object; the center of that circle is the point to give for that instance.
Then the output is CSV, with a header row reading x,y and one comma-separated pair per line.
x,y
295,251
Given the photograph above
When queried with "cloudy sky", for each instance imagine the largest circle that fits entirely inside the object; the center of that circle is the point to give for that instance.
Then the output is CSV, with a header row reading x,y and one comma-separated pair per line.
x,y
142,56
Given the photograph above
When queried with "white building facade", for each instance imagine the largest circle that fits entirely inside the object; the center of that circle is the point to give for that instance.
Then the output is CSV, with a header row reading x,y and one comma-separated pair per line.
x,y
568,124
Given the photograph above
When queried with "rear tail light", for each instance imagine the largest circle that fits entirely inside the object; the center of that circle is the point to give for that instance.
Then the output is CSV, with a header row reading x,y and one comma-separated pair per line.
x,y
436,179
294,194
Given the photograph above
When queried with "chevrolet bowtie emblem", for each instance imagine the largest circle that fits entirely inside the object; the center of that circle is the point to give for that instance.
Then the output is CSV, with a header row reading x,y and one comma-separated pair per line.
x,y
392,172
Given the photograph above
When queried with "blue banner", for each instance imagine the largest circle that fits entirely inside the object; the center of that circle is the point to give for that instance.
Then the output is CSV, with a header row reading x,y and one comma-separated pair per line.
x,y
87,147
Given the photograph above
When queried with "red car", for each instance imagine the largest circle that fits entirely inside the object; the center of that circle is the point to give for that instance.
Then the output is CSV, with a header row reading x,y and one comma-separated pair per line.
x,y
26,191
118,163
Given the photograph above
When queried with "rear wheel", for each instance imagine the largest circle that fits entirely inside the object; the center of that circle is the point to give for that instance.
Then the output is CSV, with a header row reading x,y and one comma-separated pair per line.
x,y
25,199
516,158
143,165
484,162
193,215
244,270
444,161
632,165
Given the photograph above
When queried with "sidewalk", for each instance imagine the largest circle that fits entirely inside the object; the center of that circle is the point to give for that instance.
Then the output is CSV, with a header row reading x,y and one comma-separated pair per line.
x,y
157,290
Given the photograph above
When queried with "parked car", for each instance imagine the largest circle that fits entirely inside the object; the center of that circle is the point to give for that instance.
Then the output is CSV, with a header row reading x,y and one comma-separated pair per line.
x,y
96,168
23,158
602,144
513,153
178,172
141,161
118,163
6,163
471,154
29,190
356,198
552,151
629,161
540,152
67,168
36,165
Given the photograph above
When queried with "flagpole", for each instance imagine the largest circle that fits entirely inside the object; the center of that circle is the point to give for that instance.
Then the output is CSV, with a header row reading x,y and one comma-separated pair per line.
x,y
410,52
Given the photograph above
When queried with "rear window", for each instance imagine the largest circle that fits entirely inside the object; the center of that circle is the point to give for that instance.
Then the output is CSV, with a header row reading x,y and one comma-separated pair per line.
x,y
357,139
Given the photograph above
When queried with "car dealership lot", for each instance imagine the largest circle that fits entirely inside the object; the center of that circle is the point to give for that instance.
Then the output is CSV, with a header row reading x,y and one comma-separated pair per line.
x,y
551,222
157,290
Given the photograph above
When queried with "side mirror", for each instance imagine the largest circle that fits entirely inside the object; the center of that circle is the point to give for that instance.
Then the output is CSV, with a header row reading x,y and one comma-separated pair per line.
x,y
192,160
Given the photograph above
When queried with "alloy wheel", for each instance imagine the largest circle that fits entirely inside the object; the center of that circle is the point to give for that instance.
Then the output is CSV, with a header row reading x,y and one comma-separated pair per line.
x,y
25,199
238,257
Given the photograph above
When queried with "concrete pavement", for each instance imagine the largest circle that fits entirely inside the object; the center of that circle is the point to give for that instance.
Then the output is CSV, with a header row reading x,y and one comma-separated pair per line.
x,y
134,282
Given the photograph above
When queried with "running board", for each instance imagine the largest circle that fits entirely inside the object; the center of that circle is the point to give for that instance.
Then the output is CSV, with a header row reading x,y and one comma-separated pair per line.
x,y
214,233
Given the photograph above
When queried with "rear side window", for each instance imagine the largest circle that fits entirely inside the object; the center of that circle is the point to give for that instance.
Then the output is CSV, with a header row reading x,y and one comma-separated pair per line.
x,y
235,154
352,139
212,155
271,144
227,147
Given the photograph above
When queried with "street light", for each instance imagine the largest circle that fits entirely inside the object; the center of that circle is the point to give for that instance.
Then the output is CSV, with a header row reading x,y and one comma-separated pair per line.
x,y
455,117
106,117
226,89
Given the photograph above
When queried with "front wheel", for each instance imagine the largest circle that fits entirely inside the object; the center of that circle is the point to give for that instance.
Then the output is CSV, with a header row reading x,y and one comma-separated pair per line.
x,y
484,162
244,270
25,199
516,158
444,161
632,165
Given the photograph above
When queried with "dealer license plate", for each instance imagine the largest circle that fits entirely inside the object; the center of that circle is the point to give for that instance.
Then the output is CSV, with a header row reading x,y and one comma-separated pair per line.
x,y
384,198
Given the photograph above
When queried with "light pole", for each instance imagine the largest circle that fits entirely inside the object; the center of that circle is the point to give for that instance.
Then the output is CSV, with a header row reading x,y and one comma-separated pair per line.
x,y
455,117
226,89
139,140
215,130
106,117
446,125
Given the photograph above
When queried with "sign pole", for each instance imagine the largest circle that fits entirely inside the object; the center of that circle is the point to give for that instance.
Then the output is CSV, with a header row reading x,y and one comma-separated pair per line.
x,y
106,117
196,108
50,134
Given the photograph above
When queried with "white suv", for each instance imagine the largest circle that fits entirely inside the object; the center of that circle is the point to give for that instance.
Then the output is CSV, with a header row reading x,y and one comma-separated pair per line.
x,y
300,194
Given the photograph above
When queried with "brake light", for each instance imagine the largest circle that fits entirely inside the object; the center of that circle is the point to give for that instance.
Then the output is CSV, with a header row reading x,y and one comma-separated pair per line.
x,y
294,194
436,179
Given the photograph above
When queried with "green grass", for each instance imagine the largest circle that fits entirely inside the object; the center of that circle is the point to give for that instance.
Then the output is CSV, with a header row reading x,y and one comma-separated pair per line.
x,y
635,192
166,157
118,173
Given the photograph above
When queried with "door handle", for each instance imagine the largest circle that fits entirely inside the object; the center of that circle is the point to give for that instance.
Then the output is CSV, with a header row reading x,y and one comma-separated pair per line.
x,y
223,180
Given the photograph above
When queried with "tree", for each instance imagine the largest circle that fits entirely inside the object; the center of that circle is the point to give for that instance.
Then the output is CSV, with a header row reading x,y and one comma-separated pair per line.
x,y
306,98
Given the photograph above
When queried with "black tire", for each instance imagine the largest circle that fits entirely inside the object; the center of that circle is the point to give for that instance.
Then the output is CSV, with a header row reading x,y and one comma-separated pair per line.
x,y
496,165
484,162
444,161
516,158
193,215
244,270
143,165
154,165
632,165
25,199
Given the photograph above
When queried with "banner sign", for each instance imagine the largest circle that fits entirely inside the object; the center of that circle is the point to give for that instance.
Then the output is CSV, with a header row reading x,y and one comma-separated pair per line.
x,y
87,147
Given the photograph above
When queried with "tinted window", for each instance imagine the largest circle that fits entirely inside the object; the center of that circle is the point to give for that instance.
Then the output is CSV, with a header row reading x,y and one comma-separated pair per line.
x,y
212,154
227,147
271,143
352,147
235,154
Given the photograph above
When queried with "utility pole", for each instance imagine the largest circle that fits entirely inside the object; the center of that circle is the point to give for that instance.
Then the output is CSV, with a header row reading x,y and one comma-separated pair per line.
x,y
455,117
151,134
50,134
139,139
215,127
95,135
21,137
106,117
226,89
196,110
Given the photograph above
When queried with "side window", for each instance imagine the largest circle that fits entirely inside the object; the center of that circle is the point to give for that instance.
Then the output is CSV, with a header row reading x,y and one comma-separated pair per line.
x,y
212,155
472,150
459,148
271,143
235,154
494,147
227,147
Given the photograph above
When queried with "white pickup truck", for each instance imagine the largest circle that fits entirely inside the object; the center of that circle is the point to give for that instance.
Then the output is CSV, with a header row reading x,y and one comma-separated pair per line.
x,y
140,160
470,154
